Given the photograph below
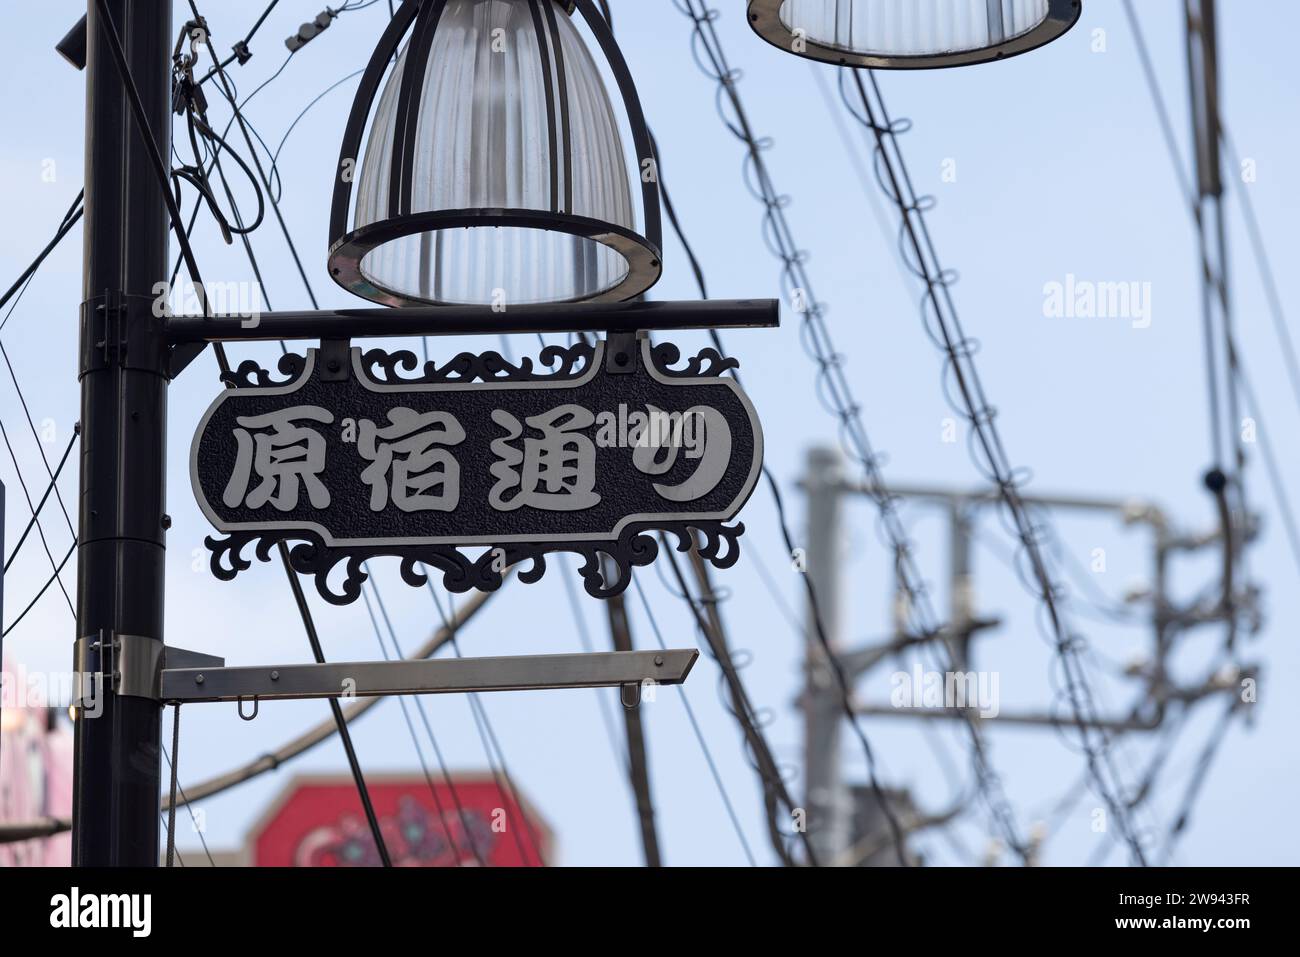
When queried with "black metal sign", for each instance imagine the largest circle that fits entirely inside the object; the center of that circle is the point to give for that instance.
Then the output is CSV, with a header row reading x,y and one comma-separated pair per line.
x,y
351,461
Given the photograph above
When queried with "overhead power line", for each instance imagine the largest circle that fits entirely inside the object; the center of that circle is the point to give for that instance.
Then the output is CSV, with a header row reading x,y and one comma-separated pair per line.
x,y
835,390
479,715
944,328
70,219
1260,254
142,129
304,742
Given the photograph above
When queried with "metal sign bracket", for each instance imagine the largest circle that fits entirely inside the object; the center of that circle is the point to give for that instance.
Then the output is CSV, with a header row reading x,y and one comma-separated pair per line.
x,y
621,352
196,682
336,359
133,664
142,667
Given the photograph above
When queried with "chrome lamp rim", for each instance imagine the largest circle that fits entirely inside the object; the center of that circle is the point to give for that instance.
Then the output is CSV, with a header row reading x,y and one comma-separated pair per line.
x,y
765,20
348,247
644,263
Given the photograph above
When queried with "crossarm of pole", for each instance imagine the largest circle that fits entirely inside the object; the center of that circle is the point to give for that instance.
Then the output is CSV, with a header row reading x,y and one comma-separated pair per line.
x,y
315,735
475,320
1135,721
1133,510
859,661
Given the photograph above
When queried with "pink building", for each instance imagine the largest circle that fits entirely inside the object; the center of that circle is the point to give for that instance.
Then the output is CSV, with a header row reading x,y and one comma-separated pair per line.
x,y
35,773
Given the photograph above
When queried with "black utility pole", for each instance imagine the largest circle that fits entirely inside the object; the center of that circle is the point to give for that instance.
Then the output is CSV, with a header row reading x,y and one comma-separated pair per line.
x,y
121,548
638,761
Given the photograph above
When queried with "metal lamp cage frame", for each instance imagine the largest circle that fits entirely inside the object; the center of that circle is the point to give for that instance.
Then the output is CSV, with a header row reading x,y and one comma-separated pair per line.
x,y
765,20
420,18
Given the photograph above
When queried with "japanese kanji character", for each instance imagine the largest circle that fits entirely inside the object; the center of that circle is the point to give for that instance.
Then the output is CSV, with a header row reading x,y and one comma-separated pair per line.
x,y
283,458
558,470
406,463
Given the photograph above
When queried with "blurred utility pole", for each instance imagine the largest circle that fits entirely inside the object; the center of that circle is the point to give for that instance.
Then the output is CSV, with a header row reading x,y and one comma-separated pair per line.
x,y
842,819
1225,480
122,526
829,806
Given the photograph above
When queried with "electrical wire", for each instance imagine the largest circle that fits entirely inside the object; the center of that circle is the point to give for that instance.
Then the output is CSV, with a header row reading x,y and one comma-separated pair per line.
x,y
243,126
737,700
40,531
602,698
699,734
142,128
274,173
50,581
302,743
775,792
31,424
775,492
76,432
428,777
1214,284
174,761
450,783
16,292
70,219
1198,778
943,326
1238,374
194,821
487,736
1260,252
239,118
833,386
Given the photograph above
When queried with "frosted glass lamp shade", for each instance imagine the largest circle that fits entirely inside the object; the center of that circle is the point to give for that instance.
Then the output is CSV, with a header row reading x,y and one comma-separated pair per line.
x,y
911,34
494,171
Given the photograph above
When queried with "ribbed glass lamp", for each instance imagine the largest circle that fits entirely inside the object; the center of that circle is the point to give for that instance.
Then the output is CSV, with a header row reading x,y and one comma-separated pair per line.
x,y
494,171
911,34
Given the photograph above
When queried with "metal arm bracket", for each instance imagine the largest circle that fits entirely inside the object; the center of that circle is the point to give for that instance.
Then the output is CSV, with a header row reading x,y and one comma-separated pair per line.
x,y
133,664
194,683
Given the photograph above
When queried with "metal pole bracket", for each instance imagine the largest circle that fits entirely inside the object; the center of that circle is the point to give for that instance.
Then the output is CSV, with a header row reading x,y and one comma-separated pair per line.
x,y
130,665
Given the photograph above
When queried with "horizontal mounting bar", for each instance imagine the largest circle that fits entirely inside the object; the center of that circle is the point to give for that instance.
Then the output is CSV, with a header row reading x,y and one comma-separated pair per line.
x,y
1142,510
1117,726
474,320
438,676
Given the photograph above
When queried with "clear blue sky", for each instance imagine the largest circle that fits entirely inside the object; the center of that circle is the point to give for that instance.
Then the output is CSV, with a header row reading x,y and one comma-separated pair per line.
x,y
1060,170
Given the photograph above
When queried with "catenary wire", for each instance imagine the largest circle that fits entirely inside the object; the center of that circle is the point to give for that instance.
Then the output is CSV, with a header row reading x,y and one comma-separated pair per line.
x,y
943,326
832,382
419,752
699,734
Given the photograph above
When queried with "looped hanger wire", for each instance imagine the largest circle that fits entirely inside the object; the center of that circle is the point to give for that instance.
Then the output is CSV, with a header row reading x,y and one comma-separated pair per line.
x,y
239,705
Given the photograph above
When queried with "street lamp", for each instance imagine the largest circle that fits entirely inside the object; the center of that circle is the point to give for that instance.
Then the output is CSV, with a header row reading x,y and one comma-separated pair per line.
x,y
494,172
911,34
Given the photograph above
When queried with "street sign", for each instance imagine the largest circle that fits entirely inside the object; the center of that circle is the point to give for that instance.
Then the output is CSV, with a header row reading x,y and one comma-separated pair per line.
x,y
587,451
453,821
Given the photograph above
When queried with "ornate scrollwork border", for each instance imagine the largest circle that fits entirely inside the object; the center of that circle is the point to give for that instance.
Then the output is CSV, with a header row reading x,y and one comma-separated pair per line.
x,y
562,362
606,570
707,363
249,375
